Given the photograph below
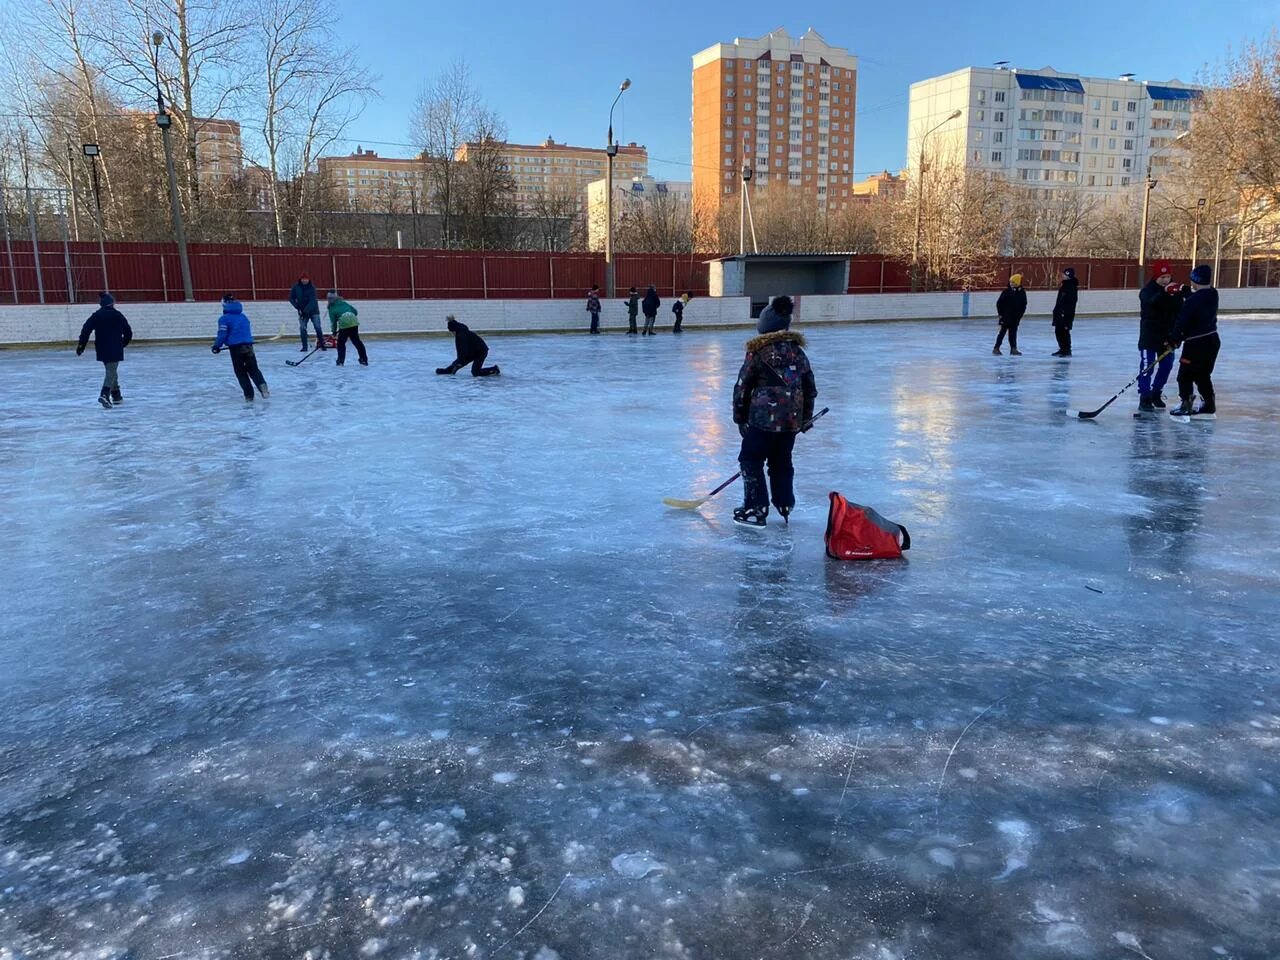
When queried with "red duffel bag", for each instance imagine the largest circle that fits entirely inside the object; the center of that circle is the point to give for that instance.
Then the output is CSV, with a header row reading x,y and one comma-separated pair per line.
x,y
855,532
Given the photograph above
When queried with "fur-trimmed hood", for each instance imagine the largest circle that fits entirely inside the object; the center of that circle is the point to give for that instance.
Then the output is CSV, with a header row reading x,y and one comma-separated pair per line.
x,y
778,336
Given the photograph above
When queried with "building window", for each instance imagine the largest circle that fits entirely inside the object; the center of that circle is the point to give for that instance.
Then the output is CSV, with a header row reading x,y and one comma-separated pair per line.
x,y
1093,143
999,96
1128,144
1111,143
1131,106
1111,181
1115,106
1115,124
998,137
997,156
982,96
1097,104
977,156
1130,126
1128,163
1097,123
999,116
977,136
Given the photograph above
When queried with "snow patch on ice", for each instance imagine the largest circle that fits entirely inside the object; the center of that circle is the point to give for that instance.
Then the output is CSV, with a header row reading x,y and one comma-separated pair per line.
x,y
505,776
515,897
240,856
636,866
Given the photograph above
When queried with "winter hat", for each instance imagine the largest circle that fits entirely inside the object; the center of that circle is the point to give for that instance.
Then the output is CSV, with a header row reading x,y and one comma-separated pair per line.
x,y
304,279
1015,280
1070,273
331,295
228,298
1161,268
105,299
776,316
1202,275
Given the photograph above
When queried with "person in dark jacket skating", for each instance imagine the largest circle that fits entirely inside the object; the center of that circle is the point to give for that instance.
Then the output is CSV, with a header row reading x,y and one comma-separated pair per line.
x,y
471,349
235,333
1159,302
111,334
772,402
677,308
303,298
1010,306
1197,330
650,305
633,310
593,307
1064,311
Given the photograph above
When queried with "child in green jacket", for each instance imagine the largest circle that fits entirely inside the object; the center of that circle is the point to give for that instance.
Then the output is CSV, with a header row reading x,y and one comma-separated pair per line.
x,y
344,320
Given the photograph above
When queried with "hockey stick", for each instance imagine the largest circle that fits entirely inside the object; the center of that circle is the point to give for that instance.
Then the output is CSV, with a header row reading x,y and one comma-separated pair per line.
x,y
294,363
695,504
278,336
1090,414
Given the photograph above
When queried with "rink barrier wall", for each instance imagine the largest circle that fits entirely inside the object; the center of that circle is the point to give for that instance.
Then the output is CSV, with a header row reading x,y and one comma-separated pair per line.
x,y
60,323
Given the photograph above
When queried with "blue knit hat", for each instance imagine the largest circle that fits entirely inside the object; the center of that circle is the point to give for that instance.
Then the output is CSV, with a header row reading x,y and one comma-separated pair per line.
x,y
105,299
1202,275
1069,272
776,316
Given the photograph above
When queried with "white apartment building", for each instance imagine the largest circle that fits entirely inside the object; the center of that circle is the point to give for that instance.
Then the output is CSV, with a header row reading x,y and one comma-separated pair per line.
x,y
629,196
1049,130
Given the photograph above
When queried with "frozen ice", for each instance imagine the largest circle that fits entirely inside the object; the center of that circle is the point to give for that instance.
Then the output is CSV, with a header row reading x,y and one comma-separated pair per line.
x,y
262,665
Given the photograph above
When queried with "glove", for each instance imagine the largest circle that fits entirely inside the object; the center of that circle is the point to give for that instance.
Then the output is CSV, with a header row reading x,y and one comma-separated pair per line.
x,y
442,369
215,348
79,350
1173,289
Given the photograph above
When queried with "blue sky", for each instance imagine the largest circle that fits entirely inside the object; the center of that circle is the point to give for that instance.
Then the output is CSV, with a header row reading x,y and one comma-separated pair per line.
x,y
552,68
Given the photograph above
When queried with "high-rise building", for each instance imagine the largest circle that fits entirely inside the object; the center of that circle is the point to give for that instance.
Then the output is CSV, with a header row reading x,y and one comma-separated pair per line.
x,y
781,105
551,174
1048,130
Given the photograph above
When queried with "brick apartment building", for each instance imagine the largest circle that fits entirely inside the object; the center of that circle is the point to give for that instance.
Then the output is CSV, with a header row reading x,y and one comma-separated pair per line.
x,y
782,105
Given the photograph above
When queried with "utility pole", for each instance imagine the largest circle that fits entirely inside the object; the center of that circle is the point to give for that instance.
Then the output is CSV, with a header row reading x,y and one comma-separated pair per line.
x,y
1195,233
91,151
915,244
164,122
611,151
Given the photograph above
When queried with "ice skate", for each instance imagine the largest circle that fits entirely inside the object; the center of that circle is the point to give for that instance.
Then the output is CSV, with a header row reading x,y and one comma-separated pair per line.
x,y
116,397
750,516
1157,401
104,400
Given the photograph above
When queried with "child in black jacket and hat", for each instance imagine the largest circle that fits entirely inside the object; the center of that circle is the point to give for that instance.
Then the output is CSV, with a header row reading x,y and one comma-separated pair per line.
x,y
111,334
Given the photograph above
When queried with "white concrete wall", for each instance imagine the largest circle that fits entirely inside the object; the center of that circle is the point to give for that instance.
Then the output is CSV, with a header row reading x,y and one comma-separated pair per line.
x,y
173,321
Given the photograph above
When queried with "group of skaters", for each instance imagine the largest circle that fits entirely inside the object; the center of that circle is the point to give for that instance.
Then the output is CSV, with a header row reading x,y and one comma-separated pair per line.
x,y
1172,314
111,334
649,304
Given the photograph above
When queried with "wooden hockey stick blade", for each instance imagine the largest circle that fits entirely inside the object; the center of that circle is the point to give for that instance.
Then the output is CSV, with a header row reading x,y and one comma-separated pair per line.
x,y
279,335
685,504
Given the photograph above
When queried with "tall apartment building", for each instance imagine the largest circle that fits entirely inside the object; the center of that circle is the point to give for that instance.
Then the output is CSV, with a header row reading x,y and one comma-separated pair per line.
x,y
371,182
561,171
782,105
1049,130
219,149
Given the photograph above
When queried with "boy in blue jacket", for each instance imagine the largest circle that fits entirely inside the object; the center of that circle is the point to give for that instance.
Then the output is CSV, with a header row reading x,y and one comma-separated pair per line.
x,y
234,334
111,334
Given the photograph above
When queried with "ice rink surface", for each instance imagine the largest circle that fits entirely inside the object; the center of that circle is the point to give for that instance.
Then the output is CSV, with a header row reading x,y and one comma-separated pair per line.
x,y
407,666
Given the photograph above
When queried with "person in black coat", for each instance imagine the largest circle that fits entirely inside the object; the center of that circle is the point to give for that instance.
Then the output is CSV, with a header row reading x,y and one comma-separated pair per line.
x,y
111,334
650,305
1064,311
1010,306
1159,302
471,349
1197,330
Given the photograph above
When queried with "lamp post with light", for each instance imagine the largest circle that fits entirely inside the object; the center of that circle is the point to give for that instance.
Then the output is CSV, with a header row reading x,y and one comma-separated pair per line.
x,y
91,151
915,244
164,122
611,151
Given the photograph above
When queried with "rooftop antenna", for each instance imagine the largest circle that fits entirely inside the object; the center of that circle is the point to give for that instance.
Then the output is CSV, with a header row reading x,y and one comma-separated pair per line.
x,y
1002,64
1127,77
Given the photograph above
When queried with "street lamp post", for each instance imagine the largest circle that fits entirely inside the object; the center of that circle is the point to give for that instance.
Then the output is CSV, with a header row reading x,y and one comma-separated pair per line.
x,y
1195,232
164,122
1150,185
915,244
611,151
92,152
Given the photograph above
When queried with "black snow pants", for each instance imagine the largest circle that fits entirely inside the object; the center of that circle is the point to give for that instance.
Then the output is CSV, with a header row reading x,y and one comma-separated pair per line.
x,y
1012,330
758,448
478,369
245,366
1063,335
1195,369
352,334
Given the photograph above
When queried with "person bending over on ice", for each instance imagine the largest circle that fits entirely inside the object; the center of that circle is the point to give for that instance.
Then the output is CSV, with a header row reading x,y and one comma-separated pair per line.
x,y
303,299
235,334
471,349
344,320
1064,311
650,305
772,402
1197,330
111,334
1010,306
1159,301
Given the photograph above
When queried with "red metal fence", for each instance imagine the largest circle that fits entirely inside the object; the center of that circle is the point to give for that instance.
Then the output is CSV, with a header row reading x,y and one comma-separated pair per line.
x,y
151,272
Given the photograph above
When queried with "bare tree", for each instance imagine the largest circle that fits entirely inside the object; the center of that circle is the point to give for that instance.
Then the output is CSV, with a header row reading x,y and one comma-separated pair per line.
x,y
306,105
558,217
484,188
445,118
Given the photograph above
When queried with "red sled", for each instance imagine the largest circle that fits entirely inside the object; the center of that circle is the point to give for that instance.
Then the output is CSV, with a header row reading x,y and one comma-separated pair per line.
x,y
856,532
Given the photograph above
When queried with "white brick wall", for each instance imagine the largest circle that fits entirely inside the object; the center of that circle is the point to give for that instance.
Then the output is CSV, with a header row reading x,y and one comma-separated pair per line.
x,y
173,321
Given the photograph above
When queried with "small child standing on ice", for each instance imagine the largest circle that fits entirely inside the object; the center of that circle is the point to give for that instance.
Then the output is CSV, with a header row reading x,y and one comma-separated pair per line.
x,y
111,334
344,319
677,308
772,402
593,307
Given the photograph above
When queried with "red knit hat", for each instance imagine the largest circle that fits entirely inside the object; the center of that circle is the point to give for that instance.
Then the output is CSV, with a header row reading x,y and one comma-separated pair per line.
x,y
1161,267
